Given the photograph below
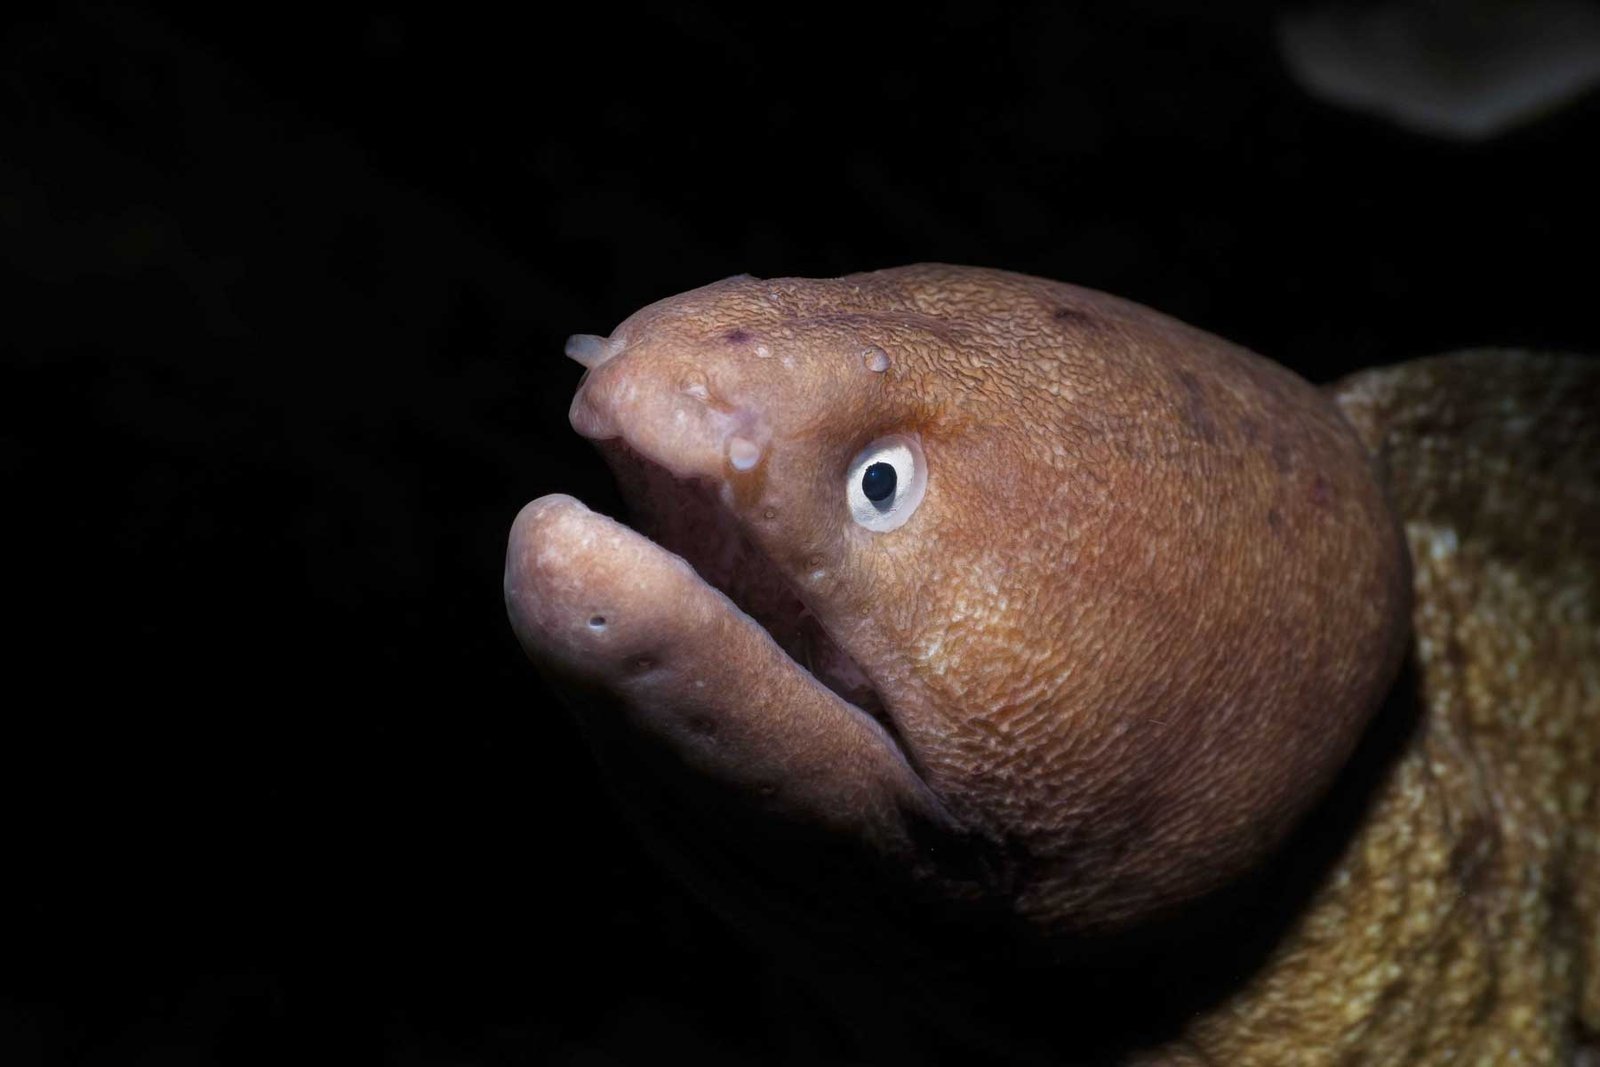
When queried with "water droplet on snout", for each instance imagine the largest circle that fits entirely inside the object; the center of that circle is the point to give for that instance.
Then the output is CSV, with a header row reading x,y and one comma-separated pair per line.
x,y
876,359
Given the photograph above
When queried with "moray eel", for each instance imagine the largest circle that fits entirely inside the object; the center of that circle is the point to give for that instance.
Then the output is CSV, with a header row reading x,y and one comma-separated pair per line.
x,y
1012,653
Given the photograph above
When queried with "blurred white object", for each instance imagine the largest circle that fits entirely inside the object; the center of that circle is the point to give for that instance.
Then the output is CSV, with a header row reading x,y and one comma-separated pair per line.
x,y
1468,69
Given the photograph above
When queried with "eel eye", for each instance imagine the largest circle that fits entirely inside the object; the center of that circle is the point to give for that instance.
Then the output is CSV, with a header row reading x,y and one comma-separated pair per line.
x,y
885,482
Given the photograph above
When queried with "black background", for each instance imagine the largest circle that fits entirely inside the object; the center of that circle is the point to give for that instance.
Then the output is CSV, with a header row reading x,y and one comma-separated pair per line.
x,y
283,300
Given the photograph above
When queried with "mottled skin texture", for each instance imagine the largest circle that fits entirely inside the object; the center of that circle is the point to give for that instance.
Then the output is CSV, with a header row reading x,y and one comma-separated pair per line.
x,y
1155,594
1462,923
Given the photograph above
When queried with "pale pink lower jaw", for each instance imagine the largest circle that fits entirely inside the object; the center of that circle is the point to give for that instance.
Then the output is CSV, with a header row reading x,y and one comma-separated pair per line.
x,y
586,581
666,663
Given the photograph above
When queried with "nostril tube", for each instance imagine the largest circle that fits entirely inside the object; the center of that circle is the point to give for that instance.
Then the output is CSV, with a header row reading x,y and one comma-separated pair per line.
x,y
589,349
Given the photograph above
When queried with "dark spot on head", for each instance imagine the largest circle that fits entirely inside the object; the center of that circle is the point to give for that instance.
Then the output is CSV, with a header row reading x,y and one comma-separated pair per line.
x,y
1196,409
704,725
1321,492
737,336
643,663
1072,316
1282,454
597,622
1275,520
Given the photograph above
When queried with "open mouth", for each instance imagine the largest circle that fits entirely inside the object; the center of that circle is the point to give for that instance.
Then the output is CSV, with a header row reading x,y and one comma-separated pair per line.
x,y
685,516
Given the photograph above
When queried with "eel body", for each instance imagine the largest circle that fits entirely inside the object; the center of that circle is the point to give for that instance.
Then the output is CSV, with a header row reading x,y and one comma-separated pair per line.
x,y
1069,681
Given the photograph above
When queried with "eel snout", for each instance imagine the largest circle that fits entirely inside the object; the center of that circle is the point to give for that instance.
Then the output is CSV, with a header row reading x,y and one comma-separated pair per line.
x,y
687,672
590,595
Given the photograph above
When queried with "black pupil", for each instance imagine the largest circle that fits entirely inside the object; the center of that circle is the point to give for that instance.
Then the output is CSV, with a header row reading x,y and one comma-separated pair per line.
x,y
878,482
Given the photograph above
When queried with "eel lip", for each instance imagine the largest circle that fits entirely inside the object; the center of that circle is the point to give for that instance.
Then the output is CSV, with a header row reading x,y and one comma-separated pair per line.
x,y
596,599
663,663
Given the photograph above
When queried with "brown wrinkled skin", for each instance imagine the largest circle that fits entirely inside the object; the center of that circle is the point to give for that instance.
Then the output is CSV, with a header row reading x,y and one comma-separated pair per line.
x,y
1462,924
1149,602
1155,595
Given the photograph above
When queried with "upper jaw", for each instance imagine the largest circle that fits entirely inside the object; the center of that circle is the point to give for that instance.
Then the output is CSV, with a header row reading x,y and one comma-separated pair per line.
x,y
669,414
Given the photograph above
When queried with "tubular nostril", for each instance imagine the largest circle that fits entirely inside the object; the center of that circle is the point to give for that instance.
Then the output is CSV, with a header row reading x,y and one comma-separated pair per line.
x,y
589,350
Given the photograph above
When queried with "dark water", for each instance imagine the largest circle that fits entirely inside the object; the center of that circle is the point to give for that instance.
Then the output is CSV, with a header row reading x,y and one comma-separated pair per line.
x,y
283,303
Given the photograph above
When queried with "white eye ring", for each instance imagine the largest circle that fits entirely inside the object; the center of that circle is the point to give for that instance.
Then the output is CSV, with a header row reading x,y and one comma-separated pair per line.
x,y
899,489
